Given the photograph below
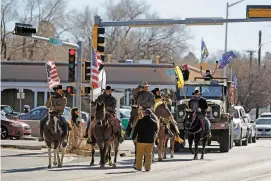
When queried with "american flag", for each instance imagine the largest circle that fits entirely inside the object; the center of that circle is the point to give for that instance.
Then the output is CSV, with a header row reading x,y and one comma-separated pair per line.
x,y
96,63
52,76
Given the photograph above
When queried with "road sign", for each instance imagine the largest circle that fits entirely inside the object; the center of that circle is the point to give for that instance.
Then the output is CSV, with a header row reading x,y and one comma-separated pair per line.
x,y
258,11
55,41
21,90
20,95
170,72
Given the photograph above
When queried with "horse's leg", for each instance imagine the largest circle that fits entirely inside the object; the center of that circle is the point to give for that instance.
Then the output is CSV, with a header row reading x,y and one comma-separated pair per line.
x,y
63,150
172,142
190,142
160,149
58,158
203,148
109,155
165,148
55,154
92,155
116,145
49,156
196,140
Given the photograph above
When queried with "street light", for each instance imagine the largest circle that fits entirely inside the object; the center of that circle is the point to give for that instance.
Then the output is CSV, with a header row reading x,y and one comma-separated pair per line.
x,y
226,31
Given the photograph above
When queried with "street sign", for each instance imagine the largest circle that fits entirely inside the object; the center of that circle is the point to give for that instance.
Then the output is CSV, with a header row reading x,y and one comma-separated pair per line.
x,y
55,41
20,95
21,90
170,72
258,11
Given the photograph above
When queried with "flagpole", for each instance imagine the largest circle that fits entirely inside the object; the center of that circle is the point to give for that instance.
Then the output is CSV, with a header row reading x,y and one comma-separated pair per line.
x,y
90,81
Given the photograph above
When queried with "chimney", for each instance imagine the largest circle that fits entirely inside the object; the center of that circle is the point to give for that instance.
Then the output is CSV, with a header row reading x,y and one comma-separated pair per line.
x,y
109,56
157,58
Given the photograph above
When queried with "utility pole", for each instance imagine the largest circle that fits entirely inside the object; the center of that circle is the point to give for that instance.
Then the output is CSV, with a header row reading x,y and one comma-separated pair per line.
x,y
259,64
250,57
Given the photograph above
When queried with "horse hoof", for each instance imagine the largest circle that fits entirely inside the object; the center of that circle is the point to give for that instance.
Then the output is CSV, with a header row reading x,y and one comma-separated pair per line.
x,y
55,163
91,164
110,163
196,158
164,157
49,166
59,166
202,157
114,165
102,165
171,156
160,159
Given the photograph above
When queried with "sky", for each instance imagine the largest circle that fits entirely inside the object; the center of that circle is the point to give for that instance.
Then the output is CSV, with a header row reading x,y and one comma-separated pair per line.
x,y
241,36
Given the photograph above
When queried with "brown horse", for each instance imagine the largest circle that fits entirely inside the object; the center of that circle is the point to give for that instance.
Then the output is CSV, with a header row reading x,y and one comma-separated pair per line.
x,y
103,131
163,113
53,139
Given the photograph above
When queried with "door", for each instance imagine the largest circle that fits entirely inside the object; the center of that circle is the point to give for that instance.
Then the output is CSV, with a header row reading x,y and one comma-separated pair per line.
x,y
35,114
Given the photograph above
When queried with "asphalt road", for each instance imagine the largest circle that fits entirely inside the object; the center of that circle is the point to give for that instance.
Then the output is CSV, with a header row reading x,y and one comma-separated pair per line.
x,y
247,163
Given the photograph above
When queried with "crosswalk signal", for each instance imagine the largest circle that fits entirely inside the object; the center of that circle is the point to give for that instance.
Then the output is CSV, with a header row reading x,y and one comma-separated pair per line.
x,y
98,40
71,73
71,90
24,29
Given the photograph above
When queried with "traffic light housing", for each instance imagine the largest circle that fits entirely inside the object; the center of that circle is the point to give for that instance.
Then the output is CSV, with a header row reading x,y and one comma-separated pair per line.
x,y
87,69
24,29
98,40
71,90
186,75
71,73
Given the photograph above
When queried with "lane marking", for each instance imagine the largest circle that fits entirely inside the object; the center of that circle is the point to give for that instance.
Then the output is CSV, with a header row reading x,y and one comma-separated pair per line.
x,y
257,177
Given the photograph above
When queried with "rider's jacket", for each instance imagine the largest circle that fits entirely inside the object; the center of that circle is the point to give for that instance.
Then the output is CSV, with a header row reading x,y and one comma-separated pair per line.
x,y
195,103
109,101
143,98
57,103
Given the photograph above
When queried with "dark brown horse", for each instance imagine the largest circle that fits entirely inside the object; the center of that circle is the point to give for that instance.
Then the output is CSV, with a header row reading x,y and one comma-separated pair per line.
x,y
53,139
195,129
103,131
165,118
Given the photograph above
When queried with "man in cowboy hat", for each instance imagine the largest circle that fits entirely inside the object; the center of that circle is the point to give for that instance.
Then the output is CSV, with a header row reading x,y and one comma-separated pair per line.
x,y
56,102
110,103
198,103
156,93
144,98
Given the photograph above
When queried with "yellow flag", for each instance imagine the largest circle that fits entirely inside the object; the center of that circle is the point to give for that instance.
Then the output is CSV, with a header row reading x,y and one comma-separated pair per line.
x,y
179,73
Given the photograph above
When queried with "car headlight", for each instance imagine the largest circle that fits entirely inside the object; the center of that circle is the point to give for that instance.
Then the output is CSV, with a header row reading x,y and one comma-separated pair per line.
x,y
181,113
215,113
16,125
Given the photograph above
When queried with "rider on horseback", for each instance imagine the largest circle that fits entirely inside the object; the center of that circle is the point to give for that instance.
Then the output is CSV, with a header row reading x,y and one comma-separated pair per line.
x,y
144,98
197,102
56,102
110,104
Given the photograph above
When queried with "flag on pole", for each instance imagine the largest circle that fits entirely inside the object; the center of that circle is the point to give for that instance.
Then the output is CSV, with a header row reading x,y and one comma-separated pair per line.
x,y
52,76
226,59
204,51
95,69
179,74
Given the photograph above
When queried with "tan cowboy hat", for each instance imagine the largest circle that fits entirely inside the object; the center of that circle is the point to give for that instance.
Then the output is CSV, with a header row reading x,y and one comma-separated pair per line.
x,y
145,83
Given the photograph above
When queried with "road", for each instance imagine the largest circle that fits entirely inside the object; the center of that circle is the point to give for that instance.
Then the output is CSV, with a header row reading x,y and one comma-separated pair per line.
x,y
247,163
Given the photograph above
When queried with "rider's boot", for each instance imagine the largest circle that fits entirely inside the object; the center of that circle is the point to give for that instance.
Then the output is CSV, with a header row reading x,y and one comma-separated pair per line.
x,y
119,134
209,134
40,139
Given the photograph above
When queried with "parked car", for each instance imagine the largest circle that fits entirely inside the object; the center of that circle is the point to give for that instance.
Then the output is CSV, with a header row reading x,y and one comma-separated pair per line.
x,y
263,126
266,114
252,130
9,112
240,126
13,129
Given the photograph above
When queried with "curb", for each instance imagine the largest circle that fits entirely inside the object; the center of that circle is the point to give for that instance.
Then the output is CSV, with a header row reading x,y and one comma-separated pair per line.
x,y
27,147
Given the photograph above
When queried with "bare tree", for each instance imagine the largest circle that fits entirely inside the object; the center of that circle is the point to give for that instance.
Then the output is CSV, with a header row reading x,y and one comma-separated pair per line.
x,y
253,84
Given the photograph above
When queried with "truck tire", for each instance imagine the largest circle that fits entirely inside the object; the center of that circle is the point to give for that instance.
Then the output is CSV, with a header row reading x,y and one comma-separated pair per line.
x,y
225,142
239,142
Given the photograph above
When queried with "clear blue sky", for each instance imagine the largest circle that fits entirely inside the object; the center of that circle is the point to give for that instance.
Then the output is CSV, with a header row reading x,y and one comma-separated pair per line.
x,y
241,36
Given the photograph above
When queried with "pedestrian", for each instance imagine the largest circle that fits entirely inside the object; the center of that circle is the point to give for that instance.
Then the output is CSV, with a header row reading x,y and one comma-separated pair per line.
x,y
145,132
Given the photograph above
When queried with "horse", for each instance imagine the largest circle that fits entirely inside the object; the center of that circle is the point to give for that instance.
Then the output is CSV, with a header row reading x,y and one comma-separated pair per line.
x,y
196,132
165,118
54,139
104,133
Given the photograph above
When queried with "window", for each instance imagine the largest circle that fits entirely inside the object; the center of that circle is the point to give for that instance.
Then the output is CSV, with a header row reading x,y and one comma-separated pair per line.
x,y
236,114
263,121
7,109
35,112
212,91
125,113
188,90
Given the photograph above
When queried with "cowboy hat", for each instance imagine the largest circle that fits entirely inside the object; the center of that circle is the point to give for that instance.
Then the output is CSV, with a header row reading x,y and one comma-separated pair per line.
x,y
145,83
109,88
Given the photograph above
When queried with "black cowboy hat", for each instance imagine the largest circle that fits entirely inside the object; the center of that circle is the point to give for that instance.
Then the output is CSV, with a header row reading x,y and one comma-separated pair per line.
x,y
109,88
196,92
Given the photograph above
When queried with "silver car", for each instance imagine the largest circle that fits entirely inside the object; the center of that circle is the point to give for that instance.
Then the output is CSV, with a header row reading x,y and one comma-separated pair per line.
x,y
263,126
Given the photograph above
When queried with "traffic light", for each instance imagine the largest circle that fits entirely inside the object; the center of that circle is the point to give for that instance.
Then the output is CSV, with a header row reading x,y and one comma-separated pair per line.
x,y
24,29
85,91
98,40
87,69
71,90
71,74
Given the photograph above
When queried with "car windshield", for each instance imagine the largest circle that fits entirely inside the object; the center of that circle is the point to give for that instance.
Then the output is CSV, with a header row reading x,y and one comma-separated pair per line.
x,y
266,116
125,112
263,121
7,109
211,91
235,114
188,90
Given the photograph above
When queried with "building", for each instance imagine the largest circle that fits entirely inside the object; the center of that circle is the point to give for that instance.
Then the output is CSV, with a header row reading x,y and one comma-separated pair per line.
x,y
31,77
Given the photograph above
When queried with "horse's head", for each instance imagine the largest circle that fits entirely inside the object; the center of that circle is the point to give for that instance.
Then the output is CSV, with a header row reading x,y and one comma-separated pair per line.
x,y
162,110
99,111
192,120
